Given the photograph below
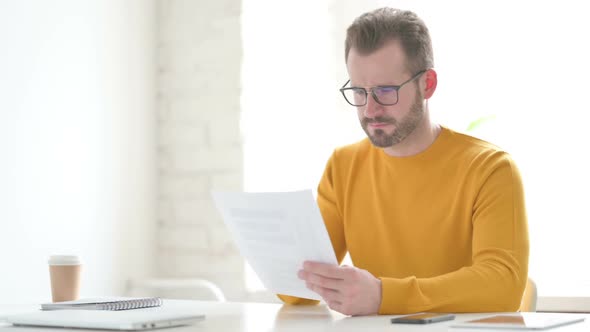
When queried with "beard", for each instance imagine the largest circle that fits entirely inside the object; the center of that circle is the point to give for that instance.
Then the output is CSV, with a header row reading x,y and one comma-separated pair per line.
x,y
403,128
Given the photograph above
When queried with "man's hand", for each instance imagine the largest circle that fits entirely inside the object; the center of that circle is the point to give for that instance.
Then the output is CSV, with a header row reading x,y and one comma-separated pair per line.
x,y
346,289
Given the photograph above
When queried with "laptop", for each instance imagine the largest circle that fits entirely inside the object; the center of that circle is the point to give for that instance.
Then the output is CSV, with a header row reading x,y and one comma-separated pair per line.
x,y
129,320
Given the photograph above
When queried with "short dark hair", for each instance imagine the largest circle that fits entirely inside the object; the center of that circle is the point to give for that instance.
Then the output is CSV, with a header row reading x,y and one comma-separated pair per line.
x,y
372,30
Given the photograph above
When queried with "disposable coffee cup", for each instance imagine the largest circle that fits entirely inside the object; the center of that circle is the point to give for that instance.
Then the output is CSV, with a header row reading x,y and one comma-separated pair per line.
x,y
64,273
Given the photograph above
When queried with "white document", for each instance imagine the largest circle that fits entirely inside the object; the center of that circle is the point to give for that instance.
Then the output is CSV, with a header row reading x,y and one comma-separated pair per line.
x,y
276,233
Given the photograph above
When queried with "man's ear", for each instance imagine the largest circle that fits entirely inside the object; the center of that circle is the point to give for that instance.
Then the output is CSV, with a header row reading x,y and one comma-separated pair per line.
x,y
431,81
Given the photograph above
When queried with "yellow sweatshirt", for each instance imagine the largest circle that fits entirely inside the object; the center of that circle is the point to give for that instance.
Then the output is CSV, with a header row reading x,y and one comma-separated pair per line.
x,y
444,230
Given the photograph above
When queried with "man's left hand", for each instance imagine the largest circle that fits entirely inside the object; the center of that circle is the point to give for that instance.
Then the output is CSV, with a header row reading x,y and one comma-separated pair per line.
x,y
346,289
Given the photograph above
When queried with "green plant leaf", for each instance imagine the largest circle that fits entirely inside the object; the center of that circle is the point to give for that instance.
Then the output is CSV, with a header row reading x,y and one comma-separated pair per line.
x,y
479,122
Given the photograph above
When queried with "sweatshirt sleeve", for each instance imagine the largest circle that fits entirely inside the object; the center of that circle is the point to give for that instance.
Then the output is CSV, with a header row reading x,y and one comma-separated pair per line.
x,y
497,277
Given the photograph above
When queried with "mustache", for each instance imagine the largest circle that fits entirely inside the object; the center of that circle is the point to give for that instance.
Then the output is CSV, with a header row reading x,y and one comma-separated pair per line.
x,y
379,119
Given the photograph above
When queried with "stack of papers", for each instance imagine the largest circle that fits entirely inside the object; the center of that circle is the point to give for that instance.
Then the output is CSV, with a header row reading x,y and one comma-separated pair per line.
x,y
276,233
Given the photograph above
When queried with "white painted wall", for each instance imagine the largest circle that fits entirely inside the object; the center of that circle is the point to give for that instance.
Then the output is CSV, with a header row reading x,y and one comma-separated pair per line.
x,y
77,142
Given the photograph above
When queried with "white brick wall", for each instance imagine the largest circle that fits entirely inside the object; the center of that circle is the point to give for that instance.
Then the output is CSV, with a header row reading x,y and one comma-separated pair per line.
x,y
199,141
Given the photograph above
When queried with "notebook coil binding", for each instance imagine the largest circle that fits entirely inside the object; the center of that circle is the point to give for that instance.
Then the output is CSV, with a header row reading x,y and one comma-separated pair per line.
x,y
132,304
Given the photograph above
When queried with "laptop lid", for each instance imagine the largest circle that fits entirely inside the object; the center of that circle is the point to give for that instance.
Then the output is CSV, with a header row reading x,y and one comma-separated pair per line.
x,y
138,319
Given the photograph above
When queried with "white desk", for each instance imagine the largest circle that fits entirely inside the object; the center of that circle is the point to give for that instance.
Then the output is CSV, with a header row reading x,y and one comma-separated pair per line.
x,y
259,317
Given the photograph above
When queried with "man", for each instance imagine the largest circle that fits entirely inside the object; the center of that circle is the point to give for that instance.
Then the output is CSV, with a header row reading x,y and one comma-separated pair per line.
x,y
434,220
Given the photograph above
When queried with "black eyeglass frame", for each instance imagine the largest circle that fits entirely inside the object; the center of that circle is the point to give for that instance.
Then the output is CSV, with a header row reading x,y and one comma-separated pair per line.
x,y
395,87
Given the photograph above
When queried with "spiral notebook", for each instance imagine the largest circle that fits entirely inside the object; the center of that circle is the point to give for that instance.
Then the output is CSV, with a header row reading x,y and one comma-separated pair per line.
x,y
110,303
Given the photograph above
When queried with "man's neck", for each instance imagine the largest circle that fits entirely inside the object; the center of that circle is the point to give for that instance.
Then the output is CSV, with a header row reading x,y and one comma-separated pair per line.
x,y
419,140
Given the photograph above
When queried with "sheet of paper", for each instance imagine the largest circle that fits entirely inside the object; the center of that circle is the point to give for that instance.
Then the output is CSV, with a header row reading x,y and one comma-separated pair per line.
x,y
276,233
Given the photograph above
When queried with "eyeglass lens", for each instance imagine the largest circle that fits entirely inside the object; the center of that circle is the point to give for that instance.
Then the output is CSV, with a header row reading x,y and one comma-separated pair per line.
x,y
384,95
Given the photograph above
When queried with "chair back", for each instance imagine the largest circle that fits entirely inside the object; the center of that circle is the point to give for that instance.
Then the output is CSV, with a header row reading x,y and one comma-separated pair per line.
x,y
529,298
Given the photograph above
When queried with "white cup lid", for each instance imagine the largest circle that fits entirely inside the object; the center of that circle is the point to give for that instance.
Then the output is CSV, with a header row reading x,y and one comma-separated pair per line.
x,y
64,260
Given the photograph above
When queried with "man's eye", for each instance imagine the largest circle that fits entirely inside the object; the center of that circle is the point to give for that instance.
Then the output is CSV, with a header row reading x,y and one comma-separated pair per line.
x,y
384,90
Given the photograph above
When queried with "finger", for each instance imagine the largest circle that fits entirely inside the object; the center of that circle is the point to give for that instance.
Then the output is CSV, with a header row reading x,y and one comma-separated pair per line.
x,y
334,305
338,306
327,294
318,280
307,275
326,270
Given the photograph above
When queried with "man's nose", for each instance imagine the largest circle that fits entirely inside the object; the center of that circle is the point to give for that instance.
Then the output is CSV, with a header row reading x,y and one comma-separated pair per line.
x,y
372,108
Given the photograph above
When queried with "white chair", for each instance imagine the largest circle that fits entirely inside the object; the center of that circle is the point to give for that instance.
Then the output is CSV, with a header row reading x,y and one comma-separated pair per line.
x,y
529,298
182,288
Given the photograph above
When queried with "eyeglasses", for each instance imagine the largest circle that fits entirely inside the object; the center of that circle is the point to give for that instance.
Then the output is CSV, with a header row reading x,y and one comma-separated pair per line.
x,y
385,95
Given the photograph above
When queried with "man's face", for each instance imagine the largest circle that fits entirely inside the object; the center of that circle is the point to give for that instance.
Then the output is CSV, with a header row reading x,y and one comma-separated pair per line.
x,y
386,126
